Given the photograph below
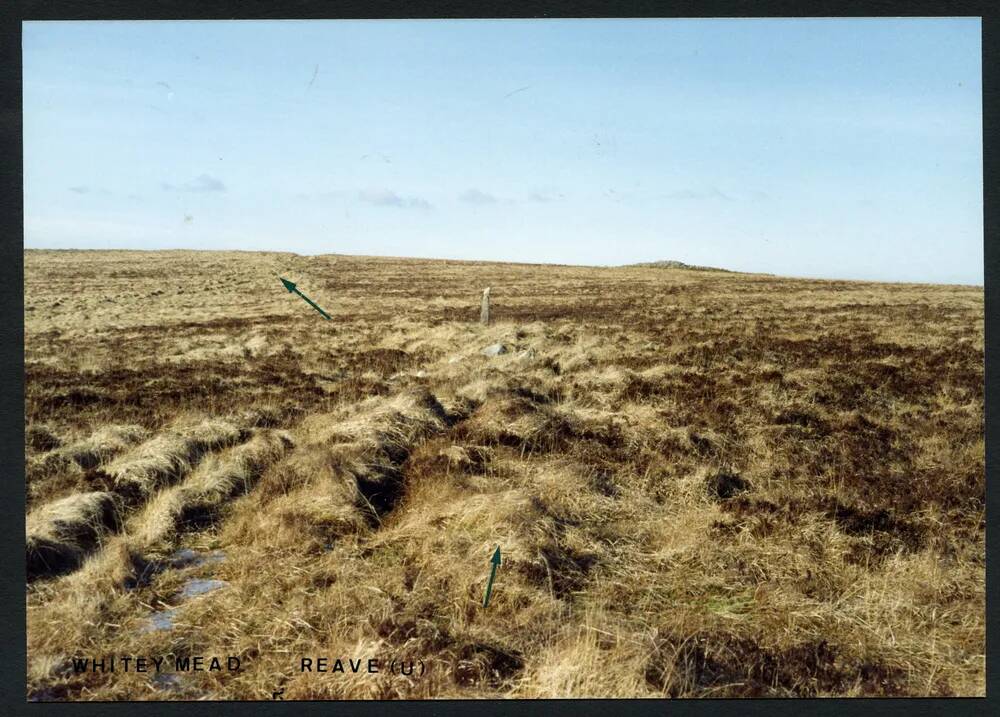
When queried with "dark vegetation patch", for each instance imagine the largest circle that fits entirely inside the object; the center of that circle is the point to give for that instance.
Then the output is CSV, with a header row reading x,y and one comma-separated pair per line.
x,y
383,361
557,568
144,394
704,445
568,567
430,461
724,665
540,393
41,438
197,516
528,311
879,532
479,663
639,388
552,365
723,485
148,393
534,396
65,552
406,628
472,663
228,324
141,570
760,517
885,532
272,416
867,457
380,491
813,425
49,558
73,398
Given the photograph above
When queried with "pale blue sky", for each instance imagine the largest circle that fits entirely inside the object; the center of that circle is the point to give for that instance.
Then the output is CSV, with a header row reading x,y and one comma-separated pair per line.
x,y
844,148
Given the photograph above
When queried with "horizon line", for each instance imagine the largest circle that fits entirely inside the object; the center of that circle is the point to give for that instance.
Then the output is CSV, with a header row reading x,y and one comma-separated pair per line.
x,y
651,264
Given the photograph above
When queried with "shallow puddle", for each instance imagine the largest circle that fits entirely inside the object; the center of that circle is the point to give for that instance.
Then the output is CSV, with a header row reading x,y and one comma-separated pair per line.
x,y
200,586
163,620
186,557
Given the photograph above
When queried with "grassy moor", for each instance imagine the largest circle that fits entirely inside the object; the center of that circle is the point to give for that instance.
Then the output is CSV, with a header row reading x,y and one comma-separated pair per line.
x,y
702,483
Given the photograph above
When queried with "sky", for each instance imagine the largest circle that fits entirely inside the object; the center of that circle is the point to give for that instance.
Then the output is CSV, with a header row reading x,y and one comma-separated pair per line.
x,y
836,148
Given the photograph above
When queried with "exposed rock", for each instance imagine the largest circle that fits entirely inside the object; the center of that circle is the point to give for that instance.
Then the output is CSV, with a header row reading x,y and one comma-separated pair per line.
x,y
495,350
162,620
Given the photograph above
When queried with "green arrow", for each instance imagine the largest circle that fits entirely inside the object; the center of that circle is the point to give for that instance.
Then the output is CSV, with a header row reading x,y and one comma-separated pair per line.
x,y
495,560
291,287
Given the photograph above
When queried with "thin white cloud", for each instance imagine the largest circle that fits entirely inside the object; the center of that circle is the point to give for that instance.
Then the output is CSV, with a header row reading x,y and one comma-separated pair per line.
x,y
546,197
710,193
389,198
87,189
201,183
474,196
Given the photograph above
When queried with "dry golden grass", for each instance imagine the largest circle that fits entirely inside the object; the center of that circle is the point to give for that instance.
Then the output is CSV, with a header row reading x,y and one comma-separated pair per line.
x,y
61,532
64,469
704,484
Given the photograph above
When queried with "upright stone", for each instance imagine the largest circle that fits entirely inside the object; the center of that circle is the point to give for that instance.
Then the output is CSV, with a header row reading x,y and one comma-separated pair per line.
x,y
484,312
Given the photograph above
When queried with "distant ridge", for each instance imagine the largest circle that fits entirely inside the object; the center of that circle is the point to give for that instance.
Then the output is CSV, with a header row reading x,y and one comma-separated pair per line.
x,y
671,264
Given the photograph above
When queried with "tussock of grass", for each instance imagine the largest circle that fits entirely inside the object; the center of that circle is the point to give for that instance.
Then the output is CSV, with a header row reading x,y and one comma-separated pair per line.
x,y
104,444
40,437
66,467
216,480
59,533
166,457
345,475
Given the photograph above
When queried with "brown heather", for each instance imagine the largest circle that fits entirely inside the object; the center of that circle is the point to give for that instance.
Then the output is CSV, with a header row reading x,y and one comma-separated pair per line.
x,y
704,484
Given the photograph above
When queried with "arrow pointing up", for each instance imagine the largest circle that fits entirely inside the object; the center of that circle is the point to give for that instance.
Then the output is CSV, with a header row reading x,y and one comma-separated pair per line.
x,y
495,562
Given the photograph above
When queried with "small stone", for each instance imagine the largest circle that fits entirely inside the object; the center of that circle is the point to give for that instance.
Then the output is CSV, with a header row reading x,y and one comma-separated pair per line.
x,y
494,350
167,681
